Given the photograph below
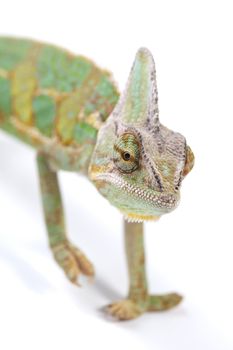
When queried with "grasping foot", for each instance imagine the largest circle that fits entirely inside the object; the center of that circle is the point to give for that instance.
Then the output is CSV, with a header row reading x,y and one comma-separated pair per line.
x,y
124,310
72,261
128,309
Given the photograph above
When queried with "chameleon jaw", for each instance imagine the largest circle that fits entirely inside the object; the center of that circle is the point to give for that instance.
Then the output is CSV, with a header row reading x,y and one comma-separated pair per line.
x,y
156,203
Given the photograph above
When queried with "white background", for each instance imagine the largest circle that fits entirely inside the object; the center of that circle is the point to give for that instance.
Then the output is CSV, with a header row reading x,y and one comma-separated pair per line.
x,y
190,250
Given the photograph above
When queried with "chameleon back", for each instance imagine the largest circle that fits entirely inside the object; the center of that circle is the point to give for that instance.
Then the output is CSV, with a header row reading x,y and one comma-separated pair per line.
x,y
50,92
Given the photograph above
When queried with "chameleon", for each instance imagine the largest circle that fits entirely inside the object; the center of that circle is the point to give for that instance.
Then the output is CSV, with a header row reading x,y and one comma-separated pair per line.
x,y
71,112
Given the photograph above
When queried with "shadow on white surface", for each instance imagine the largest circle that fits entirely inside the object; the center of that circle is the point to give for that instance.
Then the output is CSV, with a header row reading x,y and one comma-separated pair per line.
x,y
24,270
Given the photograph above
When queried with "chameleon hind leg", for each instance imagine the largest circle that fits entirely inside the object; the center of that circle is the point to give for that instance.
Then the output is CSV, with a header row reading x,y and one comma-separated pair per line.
x,y
138,300
69,258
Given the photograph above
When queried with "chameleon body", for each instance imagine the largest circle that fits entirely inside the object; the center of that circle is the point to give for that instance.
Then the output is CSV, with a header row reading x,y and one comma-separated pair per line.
x,y
70,111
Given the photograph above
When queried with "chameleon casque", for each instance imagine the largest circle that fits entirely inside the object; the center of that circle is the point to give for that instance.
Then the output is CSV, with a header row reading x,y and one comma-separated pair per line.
x,y
70,111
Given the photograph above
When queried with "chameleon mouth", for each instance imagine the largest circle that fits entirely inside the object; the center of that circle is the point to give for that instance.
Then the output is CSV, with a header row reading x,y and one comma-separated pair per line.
x,y
159,202
131,217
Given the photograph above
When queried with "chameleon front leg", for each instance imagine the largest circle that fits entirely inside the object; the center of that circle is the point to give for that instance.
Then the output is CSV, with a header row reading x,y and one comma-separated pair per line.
x,y
69,258
139,301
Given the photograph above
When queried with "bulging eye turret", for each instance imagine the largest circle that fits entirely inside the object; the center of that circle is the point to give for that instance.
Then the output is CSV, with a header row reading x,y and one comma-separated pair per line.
x,y
126,153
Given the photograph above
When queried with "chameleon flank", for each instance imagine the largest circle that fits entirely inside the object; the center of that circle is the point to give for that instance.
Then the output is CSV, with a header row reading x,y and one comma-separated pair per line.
x,y
53,100
70,111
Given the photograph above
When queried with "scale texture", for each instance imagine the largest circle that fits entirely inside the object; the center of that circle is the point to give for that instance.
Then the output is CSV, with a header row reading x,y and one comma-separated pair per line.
x,y
62,96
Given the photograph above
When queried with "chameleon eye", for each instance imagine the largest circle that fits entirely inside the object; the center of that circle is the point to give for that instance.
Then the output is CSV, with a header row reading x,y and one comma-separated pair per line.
x,y
126,153
126,156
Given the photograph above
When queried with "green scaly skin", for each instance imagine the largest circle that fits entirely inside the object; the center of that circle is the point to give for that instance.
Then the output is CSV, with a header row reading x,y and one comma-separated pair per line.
x,y
69,110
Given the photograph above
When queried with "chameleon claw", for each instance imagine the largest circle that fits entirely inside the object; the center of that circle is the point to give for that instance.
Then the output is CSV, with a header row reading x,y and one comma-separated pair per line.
x,y
78,284
73,262
123,310
91,279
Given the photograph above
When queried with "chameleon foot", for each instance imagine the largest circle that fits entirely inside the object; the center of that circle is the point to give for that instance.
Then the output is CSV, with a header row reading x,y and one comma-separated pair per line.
x,y
124,310
128,309
72,261
163,302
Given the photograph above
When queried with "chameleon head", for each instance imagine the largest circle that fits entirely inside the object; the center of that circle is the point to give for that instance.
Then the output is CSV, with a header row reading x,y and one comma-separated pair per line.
x,y
138,164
